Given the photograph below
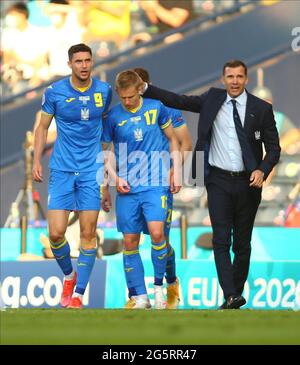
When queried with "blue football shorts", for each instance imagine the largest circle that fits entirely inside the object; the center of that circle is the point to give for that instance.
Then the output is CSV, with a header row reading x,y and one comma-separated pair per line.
x,y
133,210
73,191
168,220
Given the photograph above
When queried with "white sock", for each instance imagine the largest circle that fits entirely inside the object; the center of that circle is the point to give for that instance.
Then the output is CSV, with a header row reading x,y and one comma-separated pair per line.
x,y
77,295
142,296
70,276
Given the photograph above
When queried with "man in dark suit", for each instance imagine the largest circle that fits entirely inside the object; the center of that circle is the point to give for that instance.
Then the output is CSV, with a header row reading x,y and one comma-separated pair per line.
x,y
233,127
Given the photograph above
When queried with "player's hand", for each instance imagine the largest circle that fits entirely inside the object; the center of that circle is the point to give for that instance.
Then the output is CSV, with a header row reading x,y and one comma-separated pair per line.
x,y
105,199
122,186
37,172
174,184
257,179
175,189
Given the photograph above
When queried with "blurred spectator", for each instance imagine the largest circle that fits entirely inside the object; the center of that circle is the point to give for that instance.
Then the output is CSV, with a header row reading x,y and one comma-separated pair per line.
x,y
292,213
289,136
290,217
64,32
159,16
289,133
37,13
227,5
209,7
23,51
268,2
141,28
105,21
167,15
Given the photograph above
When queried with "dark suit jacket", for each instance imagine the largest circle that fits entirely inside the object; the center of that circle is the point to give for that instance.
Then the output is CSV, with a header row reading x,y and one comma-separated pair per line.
x,y
259,124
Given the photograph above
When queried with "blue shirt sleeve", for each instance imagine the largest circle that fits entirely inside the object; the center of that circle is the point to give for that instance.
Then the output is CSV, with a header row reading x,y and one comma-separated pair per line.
x,y
48,101
164,119
177,118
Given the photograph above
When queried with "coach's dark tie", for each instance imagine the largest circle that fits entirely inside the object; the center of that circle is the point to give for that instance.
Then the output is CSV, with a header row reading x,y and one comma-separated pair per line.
x,y
248,158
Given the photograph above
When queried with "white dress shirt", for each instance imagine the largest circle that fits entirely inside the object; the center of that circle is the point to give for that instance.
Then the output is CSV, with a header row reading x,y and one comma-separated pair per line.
x,y
225,150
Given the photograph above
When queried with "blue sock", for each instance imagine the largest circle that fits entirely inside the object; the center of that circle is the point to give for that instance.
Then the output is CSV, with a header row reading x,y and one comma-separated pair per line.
x,y
159,261
61,252
134,273
85,264
171,265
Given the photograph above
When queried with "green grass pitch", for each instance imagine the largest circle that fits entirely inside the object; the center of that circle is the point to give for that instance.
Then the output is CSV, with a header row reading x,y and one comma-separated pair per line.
x,y
150,327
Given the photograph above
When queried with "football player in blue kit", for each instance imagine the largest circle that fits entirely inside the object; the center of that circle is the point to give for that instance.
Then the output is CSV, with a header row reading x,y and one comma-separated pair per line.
x,y
136,127
184,139
77,103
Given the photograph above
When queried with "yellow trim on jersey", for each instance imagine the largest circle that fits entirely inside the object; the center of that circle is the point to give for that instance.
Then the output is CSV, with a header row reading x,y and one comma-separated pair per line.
x,y
166,124
47,113
81,89
56,245
130,252
137,108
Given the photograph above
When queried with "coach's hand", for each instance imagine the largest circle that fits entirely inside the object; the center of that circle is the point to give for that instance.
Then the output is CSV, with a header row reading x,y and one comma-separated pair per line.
x,y
257,179
37,172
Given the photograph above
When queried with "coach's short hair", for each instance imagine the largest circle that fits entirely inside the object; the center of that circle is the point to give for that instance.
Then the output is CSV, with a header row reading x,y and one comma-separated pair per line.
x,y
234,64
81,47
143,73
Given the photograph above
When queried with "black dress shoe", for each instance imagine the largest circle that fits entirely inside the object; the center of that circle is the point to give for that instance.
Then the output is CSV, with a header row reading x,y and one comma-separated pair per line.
x,y
235,302
223,306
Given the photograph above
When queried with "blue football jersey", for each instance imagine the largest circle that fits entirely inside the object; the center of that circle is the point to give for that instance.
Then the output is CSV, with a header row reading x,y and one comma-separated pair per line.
x,y
138,142
78,117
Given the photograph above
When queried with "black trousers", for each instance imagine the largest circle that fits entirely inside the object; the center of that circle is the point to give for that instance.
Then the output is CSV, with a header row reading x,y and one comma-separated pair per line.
x,y
232,208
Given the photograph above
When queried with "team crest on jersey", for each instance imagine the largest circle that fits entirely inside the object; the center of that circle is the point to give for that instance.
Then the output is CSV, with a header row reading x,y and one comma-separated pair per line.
x,y
85,114
138,134
84,99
